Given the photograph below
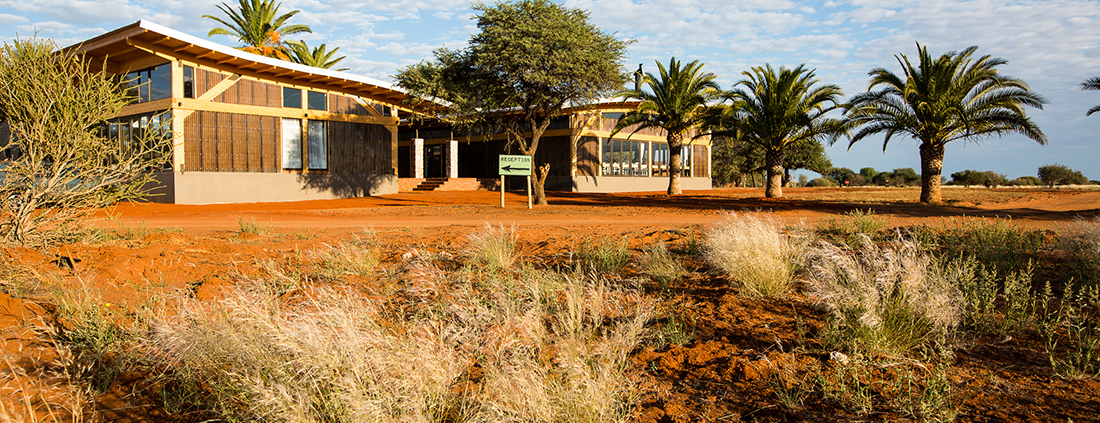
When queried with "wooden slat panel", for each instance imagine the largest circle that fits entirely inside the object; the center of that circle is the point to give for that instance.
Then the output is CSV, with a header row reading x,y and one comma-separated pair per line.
x,y
225,142
272,134
239,136
255,144
700,161
209,124
274,95
192,147
588,160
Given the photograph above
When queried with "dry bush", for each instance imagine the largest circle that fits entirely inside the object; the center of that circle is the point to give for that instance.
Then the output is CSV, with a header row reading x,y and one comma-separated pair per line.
x,y
539,347
884,299
755,253
659,264
493,248
63,164
1083,244
359,256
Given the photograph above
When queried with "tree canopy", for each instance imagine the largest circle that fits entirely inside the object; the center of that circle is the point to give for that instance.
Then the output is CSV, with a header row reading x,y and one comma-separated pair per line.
x,y
318,57
955,96
676,102
258,25
781,111
1092,84
530,56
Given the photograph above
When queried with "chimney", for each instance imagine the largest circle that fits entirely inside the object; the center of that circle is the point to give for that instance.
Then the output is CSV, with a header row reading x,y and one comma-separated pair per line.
x,y
638,78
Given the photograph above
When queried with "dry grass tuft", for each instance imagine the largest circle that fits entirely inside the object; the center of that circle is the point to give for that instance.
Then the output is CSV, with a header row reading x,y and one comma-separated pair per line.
x,y
540,347
886,300
755,253
493,248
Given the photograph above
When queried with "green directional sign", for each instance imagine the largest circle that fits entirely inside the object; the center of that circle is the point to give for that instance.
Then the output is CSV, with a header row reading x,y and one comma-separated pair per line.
x,y
515,165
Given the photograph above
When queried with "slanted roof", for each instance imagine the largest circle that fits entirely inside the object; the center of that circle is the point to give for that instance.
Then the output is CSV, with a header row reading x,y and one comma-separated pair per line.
x,y
143,38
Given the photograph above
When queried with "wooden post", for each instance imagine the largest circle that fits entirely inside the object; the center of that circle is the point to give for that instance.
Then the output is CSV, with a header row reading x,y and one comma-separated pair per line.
x,y
528,192
502,191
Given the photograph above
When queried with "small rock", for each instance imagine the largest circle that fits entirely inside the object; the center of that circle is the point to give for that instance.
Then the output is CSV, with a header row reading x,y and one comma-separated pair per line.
x,y
838,357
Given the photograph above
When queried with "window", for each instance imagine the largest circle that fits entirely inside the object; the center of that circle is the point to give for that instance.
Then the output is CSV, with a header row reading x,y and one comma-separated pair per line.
x,y
685,161
150,84
292,97
150,128
188,82
317,101
625,158
660,159
318,147
292,143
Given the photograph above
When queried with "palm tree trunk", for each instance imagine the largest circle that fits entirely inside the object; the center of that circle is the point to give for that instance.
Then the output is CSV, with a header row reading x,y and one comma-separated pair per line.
x,y
773,160
931,166
675,148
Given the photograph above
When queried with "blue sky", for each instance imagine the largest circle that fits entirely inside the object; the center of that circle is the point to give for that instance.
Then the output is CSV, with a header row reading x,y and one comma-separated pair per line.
x,y
1052,45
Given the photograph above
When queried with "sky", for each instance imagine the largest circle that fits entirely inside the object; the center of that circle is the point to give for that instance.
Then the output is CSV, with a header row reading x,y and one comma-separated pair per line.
x,y
1053,45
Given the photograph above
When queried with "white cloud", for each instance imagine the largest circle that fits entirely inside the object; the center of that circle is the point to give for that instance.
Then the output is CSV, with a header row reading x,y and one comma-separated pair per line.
x,y
6,19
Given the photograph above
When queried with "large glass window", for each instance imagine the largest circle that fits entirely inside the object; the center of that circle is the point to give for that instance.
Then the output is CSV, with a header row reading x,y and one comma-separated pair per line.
x,y
318,145
685,161
292,97
150,84
625,158
188,82
292,143
317,101
660,159
142,133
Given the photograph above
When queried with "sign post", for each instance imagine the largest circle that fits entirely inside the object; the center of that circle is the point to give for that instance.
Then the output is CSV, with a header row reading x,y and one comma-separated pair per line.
x,y
510,165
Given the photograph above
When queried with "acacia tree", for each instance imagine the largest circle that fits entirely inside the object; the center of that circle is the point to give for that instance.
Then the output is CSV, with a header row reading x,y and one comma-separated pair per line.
x,y
61,163
677,103
939,100
1092,84
530,60
778,112
258,25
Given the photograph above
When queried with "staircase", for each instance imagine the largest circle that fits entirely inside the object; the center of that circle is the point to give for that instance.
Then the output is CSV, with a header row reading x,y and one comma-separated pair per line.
x,y
431,184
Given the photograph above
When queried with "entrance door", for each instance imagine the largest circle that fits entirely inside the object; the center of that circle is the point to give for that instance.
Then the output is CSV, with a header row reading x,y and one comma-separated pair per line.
x,y
433,161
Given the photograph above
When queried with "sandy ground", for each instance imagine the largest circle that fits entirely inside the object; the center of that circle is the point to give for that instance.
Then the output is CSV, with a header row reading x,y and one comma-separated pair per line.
x,y
192,248
472,208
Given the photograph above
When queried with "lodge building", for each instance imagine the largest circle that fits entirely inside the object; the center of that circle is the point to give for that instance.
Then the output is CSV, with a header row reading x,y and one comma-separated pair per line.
x,y
249,128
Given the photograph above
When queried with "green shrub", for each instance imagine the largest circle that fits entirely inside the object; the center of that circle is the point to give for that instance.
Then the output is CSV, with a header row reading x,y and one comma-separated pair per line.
x,y
607,255
822,183
251,227
659,265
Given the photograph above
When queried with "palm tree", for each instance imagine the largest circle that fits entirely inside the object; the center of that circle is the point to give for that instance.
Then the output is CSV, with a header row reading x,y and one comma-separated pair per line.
x,y
259,26
953,97
677,103
778,112
1092,84
318,57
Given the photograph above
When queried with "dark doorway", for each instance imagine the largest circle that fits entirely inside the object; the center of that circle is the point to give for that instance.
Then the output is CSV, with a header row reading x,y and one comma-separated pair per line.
x,y
433,161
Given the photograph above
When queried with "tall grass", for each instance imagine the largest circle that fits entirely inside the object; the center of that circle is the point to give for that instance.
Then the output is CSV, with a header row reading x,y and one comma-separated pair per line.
x,y
606,255
660,265
1082,242
755,253
884,300
359,256
544,347
493,248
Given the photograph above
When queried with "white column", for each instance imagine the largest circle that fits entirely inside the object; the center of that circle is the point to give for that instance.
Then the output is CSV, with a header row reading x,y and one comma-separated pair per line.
x,y
416,158
452,159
